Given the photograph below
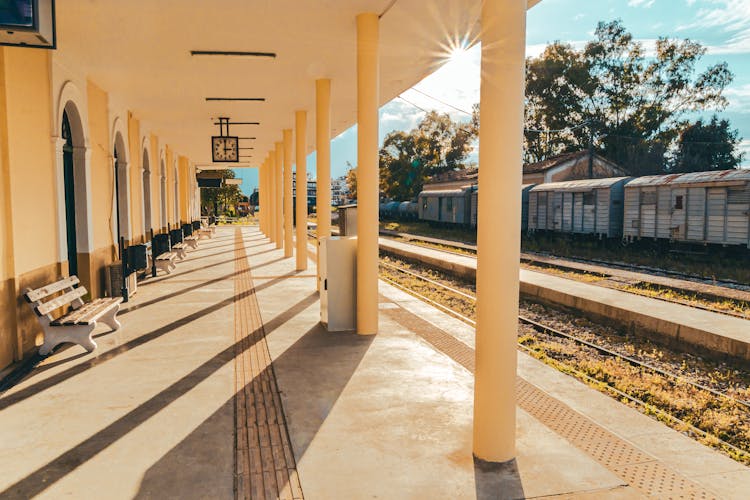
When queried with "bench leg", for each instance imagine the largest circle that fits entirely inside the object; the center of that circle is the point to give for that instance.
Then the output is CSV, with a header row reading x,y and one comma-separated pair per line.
x,y
110,319
77,334
162,265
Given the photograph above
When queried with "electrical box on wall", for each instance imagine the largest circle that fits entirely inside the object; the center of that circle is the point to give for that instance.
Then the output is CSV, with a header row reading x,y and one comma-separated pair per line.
x,y
28,23
338,292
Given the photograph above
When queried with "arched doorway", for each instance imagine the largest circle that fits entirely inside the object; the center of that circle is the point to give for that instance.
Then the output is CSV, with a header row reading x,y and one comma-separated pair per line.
x,y
70,196
163,195
121,190
146,193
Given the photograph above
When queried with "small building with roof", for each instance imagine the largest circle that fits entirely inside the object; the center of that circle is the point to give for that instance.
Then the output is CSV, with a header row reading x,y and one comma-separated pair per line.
x,y
569,167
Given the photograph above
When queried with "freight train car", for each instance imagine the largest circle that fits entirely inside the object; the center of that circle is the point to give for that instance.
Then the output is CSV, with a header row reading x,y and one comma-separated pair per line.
x,y
450,206
589,206
697,207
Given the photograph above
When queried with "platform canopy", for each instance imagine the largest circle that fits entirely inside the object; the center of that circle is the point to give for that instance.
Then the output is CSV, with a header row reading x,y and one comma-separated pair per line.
x,y
140,50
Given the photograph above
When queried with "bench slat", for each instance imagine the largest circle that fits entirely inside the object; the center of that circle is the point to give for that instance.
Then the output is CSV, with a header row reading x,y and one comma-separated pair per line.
x,y
60,301
89,313
47,290
166,256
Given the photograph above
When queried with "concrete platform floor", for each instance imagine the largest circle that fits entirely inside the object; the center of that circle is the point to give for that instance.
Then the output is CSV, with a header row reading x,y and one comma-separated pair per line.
x,y
151,413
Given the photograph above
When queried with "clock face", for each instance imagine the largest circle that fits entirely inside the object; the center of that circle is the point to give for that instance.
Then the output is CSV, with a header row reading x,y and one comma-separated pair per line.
x,y
225,149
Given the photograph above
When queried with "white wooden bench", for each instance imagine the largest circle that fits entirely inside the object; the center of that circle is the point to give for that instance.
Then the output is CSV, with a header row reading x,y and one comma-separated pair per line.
x,y
181,250
192,241
205,232
76,325
165,262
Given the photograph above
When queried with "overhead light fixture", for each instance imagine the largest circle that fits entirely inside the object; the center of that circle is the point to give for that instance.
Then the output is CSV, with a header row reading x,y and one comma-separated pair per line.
x,y
258,99
231,53
238,123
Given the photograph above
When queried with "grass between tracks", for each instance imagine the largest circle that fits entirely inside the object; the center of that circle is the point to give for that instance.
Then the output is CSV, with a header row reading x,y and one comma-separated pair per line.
x,y
736,307
718,417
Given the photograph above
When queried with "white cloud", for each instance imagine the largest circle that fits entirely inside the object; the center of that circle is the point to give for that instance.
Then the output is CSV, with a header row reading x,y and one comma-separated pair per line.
x,y
739,98
641,3
729,16
744,146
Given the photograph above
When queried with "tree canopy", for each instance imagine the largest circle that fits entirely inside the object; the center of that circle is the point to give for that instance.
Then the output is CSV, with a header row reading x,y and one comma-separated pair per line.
x,y
635,105
223,199
436,145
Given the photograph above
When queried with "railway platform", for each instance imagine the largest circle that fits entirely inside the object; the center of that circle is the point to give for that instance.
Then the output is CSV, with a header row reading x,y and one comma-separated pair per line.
x,y
676,323
222,383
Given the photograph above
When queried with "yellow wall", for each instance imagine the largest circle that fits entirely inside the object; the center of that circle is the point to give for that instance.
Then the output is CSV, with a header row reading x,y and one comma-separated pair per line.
x,y
30,152
30,230
102,186
29,191
169,164
155,183
183,168
8,340
136,179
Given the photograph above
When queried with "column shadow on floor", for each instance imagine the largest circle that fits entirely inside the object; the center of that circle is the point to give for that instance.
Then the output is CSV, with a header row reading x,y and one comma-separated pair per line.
x,y
198,466
498,481
312,373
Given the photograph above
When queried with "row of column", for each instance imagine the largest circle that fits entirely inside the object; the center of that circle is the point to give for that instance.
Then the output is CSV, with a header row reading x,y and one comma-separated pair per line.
x,y
498,245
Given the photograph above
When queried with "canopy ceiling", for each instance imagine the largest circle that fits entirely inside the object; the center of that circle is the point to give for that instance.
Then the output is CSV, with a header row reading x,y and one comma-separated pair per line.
x,y
139,51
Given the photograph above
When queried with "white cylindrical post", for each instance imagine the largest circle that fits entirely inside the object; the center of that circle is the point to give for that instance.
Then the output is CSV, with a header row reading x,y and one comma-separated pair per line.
x,y
278,155
288,205
498,247
367,173
323,159
300,118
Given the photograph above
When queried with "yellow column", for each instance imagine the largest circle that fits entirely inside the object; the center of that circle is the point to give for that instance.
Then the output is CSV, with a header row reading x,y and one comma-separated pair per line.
x,y
261,194
501,98
323,158
279,190
367,173
279,152
300,118
288,206
272,201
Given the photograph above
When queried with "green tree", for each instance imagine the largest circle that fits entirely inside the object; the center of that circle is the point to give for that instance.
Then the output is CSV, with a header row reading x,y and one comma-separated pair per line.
x,y
402,170
351,180
221,200
707,146
436,145
634,104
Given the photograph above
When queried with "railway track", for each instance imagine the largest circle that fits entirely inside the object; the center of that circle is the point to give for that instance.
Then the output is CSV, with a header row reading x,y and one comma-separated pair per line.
x,y
735,451
716,302
467,250
735,285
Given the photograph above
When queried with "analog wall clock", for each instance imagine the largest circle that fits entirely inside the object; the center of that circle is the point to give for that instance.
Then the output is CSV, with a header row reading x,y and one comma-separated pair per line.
x,y
225,149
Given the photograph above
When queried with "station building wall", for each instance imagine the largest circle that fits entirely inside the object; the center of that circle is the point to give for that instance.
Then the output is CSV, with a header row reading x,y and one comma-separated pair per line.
x,y
36,86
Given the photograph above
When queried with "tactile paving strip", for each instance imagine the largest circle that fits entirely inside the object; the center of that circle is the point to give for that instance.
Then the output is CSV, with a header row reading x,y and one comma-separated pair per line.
x,y
640,470
264,462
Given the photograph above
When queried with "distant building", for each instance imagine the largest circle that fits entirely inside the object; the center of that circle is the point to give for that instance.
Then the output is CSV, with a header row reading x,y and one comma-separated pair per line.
x,y
570,167
339,191
312,190
563,167
243,206
454,179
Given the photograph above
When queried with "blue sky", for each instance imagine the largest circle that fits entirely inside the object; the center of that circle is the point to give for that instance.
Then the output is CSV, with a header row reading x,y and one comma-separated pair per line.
x,y
723,26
